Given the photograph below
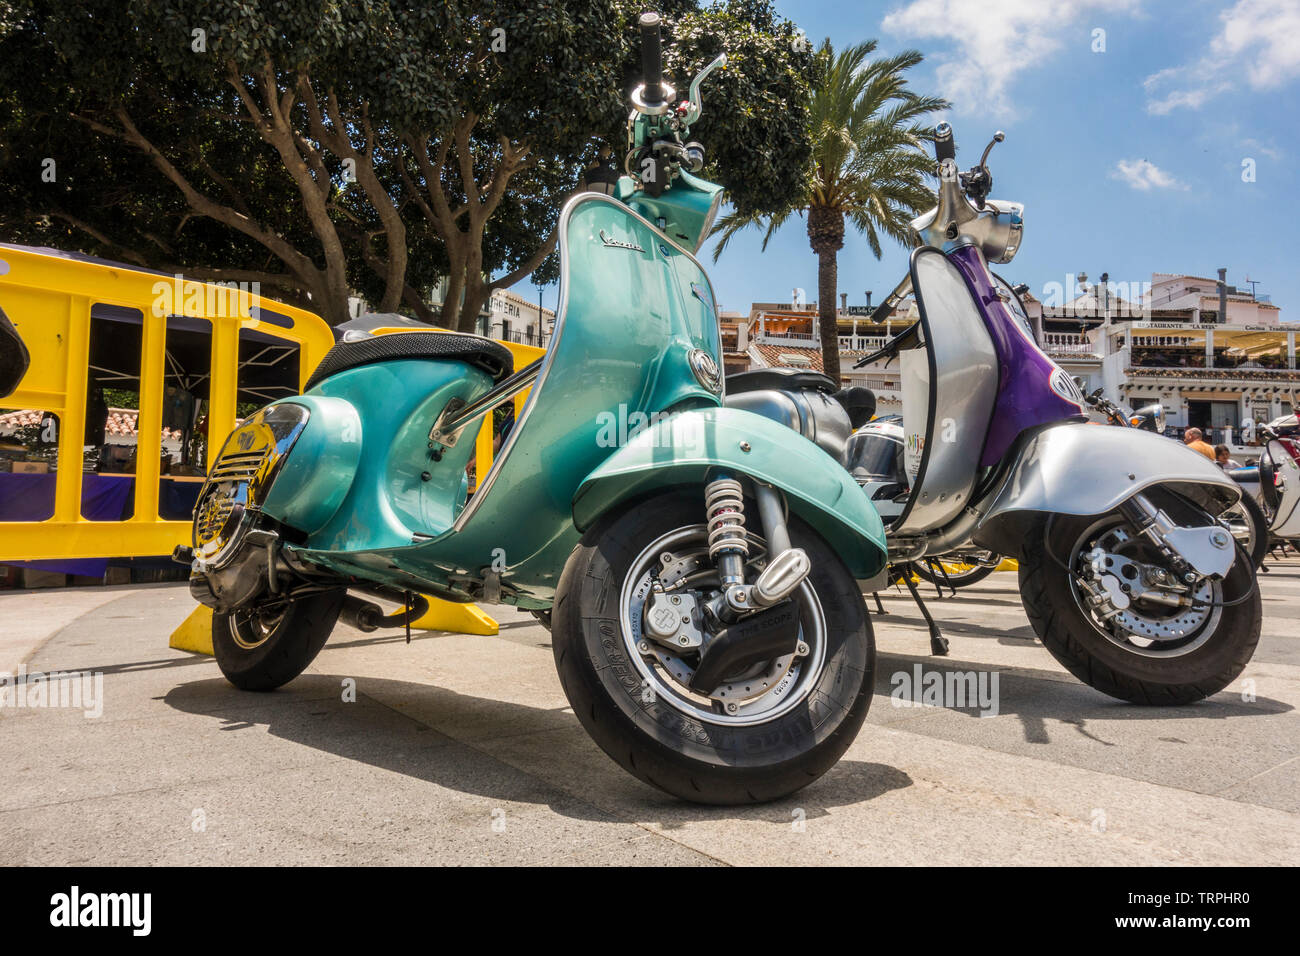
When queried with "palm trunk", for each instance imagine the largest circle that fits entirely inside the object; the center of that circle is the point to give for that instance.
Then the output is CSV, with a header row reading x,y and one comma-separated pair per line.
x,y
827,273
826,236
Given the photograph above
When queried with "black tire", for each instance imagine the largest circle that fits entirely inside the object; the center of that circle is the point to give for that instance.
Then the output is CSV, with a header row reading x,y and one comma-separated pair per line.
x,y
292,644
667,748
1069,634
950,578
1259,533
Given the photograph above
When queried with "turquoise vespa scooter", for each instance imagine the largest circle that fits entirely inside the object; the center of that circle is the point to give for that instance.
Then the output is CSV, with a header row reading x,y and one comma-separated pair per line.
x,y
699,577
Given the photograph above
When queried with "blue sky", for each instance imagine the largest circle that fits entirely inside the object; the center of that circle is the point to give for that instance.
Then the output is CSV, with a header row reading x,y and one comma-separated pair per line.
x,y
1129,161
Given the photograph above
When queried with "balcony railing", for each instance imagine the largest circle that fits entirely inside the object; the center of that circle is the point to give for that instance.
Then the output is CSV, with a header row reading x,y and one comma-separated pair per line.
x,y
1216,374
848,343
1068,343
799,339
863,343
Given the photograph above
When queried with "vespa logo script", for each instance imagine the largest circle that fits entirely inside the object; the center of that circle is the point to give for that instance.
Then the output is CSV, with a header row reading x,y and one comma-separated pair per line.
x,y
618,243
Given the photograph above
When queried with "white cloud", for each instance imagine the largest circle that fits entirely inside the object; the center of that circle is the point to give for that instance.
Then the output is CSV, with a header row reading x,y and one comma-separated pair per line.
x,y
1256,43
995,42
1143,175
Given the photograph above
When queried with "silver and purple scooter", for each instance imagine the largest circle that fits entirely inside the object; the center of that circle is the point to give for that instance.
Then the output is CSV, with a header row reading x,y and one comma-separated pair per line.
x,y
1125,573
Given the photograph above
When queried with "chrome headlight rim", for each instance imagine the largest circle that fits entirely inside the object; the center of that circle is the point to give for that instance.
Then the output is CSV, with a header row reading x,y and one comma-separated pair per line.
x,y
239,480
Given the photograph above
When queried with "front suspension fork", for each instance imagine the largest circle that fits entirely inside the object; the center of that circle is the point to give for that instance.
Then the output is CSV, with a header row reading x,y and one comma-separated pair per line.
x,y
787,566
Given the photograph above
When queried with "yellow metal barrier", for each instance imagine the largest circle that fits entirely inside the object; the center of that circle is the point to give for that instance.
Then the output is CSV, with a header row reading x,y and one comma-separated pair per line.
x,y
49,299
195,632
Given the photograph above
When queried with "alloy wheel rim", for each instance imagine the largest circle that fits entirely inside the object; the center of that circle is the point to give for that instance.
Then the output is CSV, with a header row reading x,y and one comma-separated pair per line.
x,y
1141,632
665,675
250,628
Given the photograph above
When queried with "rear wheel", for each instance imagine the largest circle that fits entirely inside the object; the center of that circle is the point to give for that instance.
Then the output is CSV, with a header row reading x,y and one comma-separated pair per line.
x,y
957,569
1249,526
1173,643
264,646
766,730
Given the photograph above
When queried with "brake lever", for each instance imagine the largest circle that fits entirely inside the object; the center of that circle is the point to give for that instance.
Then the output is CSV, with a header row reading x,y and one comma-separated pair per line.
x,y
977,183
695,106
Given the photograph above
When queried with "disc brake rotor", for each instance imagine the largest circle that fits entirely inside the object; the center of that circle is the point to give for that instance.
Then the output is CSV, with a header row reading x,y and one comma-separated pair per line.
x,y
1133,618
679,561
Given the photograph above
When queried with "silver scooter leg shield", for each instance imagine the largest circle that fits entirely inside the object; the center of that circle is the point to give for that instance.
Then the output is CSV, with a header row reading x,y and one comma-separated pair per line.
x,y
1078,469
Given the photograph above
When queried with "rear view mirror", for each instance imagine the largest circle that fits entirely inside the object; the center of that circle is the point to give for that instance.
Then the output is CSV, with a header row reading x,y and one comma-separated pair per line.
x,y
13,356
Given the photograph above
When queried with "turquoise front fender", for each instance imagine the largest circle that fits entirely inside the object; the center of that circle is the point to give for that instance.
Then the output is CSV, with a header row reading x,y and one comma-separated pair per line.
x,y
685,448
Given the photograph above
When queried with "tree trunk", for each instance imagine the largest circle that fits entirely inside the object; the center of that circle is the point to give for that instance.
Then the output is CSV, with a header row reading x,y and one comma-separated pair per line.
x,y
475,295
827,269
826,236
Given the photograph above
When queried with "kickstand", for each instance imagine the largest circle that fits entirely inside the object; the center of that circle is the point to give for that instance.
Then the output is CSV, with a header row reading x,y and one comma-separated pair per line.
x,y
939,571
410,604
880,608
938,643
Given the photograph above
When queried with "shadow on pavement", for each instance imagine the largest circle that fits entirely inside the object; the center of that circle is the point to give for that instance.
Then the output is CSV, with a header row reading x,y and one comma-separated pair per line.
x,y
1034,700
373,733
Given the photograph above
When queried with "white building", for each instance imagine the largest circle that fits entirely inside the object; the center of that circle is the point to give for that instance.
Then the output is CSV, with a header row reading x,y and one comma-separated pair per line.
x,y
1217,362
514,318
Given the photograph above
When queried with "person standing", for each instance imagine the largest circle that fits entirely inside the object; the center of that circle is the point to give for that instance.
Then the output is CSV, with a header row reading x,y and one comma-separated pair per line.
x,y
1192,438
1223,458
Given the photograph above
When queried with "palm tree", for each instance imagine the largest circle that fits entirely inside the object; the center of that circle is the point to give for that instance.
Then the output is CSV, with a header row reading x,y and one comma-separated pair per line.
x,y
868,165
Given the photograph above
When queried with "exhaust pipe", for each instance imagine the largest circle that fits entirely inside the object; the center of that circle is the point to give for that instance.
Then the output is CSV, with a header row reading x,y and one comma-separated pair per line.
x,y
367,616
363,615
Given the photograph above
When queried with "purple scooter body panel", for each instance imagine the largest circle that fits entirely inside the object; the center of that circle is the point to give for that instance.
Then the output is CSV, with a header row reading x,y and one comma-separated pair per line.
x,y
1032,389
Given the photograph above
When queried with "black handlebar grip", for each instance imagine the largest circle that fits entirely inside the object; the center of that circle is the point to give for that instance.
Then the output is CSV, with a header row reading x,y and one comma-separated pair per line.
x,y
652,65
944,147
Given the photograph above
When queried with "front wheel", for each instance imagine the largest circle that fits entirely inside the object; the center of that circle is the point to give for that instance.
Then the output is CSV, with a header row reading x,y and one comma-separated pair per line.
x,y
765,730
1171,643
265,646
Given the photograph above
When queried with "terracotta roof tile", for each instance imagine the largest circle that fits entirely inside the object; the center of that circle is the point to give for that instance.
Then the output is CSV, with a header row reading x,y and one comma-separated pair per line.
x,y
120,423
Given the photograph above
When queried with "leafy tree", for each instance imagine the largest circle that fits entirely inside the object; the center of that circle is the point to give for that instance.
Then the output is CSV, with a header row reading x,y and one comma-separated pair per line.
x,y
868,166
375,145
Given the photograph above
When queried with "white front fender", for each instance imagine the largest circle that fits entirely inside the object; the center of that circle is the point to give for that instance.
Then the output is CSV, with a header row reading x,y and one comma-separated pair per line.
x,y
1079,469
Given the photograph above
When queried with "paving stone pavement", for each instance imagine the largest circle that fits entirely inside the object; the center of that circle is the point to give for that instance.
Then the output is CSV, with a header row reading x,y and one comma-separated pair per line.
x,y
463,750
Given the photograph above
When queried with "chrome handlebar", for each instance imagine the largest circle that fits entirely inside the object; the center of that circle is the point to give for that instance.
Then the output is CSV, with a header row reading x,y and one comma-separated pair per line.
x,y
995,226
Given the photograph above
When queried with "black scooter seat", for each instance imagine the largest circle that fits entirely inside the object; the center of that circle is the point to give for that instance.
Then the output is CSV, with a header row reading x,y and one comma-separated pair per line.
x,y
481,352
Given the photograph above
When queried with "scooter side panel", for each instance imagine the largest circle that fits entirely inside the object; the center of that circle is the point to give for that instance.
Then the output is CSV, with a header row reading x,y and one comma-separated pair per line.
x,y
689,447
633,306
389,501
317,474
1286,523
